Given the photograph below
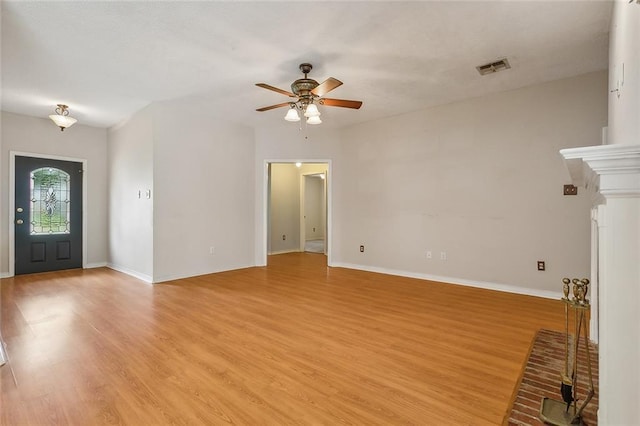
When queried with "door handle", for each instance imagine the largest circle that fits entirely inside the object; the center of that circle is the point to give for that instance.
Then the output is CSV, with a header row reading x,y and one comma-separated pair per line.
x,y
19,222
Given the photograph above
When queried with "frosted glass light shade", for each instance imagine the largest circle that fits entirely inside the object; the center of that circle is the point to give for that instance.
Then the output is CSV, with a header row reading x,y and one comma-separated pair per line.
x,y
312,111
314,120
63,121
292,115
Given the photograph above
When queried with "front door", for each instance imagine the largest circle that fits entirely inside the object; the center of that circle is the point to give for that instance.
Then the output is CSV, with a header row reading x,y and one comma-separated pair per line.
x,y
48,215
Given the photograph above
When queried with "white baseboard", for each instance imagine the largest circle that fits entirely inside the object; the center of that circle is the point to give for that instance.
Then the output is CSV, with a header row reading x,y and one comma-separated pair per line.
x,y
144,277
87,266
547,294
173,277
283,252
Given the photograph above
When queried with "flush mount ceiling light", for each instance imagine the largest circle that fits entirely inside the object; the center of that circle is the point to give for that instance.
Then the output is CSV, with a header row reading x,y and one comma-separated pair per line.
x,y
62,118
309,95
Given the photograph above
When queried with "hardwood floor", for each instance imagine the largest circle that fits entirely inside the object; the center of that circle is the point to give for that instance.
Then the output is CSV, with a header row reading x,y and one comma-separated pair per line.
x,y
293,343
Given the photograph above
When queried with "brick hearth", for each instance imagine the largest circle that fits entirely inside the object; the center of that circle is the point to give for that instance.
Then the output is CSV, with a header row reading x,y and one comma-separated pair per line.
x,y
541,377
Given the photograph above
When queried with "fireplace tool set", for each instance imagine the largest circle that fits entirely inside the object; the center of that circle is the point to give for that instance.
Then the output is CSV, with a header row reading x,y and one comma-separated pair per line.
x,y
568,412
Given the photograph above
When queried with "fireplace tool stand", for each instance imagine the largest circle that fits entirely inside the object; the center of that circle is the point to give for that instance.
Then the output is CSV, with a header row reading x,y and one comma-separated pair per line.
x,y
567,413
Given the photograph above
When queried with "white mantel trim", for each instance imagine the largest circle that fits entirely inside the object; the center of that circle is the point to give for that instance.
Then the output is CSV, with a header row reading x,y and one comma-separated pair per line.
x,y
611,170
612,174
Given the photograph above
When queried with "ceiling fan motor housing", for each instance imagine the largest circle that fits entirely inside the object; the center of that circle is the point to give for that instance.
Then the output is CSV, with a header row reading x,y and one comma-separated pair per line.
x,y
302,87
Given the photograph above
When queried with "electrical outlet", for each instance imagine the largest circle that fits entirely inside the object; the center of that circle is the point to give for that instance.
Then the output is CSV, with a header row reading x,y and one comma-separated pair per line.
x,y
541,265
361,249
212,250
429,255
570,190
284,237
443,255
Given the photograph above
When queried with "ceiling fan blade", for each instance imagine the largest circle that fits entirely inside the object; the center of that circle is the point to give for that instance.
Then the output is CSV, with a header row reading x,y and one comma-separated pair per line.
x,y
326,86
267,108
275,89
341,103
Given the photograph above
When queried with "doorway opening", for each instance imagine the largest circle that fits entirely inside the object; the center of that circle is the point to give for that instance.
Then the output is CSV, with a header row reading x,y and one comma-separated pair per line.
x,y
297,216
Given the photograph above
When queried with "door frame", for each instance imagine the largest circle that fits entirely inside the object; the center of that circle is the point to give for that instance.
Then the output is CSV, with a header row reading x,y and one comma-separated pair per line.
x,y
12,202
263,241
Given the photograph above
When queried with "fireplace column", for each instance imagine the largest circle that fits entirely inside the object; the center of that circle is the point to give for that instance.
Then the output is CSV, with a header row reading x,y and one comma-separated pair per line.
x,y
612,173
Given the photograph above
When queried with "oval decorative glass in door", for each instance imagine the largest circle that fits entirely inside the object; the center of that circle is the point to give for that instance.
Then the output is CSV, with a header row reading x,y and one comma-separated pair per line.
x,y
50,202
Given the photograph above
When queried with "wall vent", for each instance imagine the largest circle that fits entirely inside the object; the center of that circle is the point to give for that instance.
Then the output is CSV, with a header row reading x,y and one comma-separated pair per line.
x,y
491,67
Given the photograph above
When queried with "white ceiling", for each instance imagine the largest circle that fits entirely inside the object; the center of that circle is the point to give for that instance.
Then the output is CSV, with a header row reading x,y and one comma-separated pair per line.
x,y
107,60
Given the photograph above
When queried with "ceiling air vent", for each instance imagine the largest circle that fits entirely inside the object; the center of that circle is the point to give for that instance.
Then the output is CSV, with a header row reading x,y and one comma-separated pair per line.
x,y
491,67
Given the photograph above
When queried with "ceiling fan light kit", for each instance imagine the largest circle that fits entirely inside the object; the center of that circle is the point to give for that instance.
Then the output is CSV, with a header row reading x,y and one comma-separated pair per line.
x,y
314,120
292,114
309,94
311,111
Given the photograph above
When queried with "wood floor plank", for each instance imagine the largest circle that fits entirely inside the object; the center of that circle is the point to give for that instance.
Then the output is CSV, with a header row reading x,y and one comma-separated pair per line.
x,y
292,343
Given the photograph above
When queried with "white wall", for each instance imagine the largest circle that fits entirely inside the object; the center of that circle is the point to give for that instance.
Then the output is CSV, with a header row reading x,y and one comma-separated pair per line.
x,y
285,208
130,216
40,136
320,222
480,180
204,178
624,52
314,208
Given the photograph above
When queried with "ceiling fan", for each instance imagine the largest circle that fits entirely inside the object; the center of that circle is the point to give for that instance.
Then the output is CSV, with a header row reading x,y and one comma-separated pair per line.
x,y
309,94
